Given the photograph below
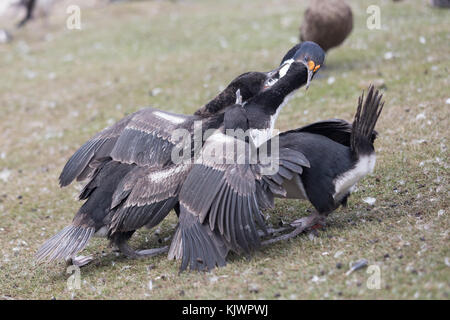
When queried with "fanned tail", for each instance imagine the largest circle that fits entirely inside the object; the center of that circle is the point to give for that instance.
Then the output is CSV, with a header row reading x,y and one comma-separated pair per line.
x,y
367,114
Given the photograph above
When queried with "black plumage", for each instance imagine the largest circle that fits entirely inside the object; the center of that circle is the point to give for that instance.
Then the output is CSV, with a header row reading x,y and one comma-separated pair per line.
x,y
221,198
249,84
340,154
138,144
121,161
221,203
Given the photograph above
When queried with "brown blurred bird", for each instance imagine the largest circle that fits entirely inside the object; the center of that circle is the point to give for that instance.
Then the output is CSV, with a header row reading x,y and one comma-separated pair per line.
x,y
327,22
440,3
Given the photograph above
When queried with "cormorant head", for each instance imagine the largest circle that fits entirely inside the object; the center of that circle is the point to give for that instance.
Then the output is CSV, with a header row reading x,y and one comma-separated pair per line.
x,y
310,54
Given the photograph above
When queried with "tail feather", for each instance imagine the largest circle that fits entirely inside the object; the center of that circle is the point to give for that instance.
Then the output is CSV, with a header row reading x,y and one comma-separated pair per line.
x,y
176,247
65,243
366,117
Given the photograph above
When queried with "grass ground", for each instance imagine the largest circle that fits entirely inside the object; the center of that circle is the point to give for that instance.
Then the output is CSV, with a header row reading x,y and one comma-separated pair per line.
x,y
59,87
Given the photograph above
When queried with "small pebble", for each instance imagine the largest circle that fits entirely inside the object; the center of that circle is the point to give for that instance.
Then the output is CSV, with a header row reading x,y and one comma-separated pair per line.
x,y
253,288
388,55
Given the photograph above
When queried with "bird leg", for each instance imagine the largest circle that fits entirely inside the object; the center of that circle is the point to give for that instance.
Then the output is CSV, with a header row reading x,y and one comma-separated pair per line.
x,y
320,221
300,226
152,252
272,231
123,246
80,261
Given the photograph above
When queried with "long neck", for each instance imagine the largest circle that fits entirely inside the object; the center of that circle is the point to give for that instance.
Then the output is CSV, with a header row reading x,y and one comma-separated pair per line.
x,y
272,98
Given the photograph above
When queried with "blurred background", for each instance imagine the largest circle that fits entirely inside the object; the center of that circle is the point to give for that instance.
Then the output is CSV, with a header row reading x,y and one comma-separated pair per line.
x,y
59,86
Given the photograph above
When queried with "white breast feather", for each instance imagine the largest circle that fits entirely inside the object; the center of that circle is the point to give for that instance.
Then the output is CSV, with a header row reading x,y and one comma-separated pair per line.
x,y
284,69
260,136
346,181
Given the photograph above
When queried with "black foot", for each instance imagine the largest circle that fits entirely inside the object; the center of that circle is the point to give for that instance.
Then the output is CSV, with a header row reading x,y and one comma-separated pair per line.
x,y
272,231
132,254
300,225
152,252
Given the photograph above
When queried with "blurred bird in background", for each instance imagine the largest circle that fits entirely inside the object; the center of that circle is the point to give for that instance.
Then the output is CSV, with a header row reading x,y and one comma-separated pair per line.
x,y
27,9
440,3
327,23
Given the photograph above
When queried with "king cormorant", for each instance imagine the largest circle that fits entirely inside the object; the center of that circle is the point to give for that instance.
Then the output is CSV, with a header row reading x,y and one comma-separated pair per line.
x,y
339,153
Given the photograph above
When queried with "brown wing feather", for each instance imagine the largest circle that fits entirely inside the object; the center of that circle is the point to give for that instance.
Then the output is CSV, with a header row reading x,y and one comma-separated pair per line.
x,y
145,196
143,138
218,202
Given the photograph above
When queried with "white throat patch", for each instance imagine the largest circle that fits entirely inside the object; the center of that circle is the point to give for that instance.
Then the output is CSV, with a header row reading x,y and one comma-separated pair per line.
x,y
284,69
259,136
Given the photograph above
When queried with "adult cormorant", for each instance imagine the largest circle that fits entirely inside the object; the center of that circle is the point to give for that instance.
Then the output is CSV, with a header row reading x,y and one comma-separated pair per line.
x,y
221,202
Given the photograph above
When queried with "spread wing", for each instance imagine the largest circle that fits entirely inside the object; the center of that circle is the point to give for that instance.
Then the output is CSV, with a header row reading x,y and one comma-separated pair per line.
x,y
285,181
146,195
218,206
143,138
220,203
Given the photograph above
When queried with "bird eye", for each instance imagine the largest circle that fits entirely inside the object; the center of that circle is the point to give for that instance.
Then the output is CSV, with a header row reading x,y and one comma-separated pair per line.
x,y
272,82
